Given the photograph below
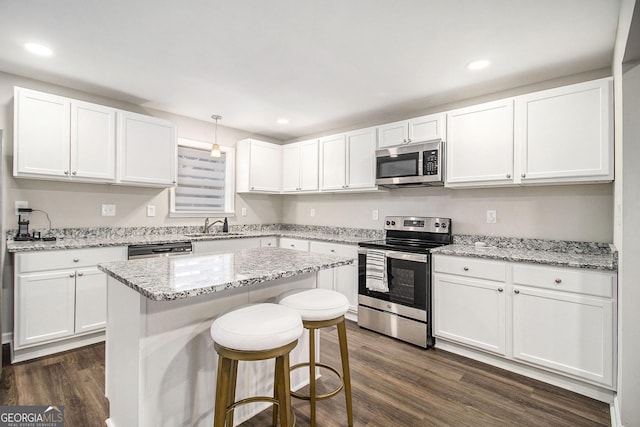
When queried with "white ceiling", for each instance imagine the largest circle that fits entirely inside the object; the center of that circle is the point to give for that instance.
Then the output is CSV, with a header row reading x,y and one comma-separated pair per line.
x,y
322,64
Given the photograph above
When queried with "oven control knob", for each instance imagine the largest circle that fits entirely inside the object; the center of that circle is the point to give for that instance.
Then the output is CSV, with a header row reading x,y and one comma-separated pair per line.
x,y
393,223
388,222
443,225
436,225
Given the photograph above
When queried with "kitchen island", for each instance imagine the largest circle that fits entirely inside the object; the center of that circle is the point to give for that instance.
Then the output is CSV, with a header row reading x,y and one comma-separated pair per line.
x,y
160,361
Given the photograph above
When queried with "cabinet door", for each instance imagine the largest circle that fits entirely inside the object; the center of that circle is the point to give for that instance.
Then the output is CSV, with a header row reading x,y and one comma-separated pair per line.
x,y
309,165
361,158
41,134
224,245
426,128
342,279
333,162
93,142
148,150
470,312
566,332
44,306
295,244
480,144
291,168
393,134
268,242
566,134
265,164
91,300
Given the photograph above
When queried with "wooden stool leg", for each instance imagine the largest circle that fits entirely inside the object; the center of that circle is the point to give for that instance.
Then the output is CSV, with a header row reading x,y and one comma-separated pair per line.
x,y
232,388
283,386
346,372
222,385
312,375
276,396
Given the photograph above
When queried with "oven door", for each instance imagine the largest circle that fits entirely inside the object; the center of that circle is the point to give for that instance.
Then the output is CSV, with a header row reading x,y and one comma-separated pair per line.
x,y
408,276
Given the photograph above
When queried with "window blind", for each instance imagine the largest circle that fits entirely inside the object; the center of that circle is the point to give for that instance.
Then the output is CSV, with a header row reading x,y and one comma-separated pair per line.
x,y
201,181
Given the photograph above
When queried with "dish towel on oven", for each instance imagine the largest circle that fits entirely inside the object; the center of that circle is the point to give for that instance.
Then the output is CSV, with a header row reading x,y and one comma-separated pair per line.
x,y
376,271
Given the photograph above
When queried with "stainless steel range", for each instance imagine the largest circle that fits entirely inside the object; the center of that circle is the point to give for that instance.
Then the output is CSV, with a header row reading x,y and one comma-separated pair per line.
x,y
394,283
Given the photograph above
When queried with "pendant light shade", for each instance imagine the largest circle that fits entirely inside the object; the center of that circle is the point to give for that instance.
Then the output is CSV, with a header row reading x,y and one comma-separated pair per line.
x,y
215,148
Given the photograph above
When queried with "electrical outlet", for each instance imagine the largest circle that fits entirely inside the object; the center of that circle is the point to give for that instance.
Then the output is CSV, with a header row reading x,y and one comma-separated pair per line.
x,y
151,210
491,217
21,204
374,214
312,212
244,211
108,210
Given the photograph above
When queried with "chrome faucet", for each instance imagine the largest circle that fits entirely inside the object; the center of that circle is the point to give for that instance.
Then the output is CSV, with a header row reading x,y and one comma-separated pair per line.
x,y
207,225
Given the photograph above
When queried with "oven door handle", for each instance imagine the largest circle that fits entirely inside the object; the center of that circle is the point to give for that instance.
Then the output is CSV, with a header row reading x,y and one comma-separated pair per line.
x,y
406,256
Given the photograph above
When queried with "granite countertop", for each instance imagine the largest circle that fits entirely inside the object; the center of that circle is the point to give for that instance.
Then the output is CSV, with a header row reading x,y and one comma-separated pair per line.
x,y
589,255
173,278
103,237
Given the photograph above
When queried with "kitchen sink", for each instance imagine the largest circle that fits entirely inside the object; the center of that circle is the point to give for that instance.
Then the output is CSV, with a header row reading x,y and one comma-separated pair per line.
x,y
215,234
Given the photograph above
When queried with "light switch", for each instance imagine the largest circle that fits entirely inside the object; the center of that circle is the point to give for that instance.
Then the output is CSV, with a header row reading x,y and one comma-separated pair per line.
x,y
312,212
244,212
491,217
374,215
151,210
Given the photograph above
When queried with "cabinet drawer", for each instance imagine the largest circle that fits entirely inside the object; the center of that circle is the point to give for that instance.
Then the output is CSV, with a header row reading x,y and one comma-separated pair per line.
x,y
72,258
334,249
295,244
470,267
565,279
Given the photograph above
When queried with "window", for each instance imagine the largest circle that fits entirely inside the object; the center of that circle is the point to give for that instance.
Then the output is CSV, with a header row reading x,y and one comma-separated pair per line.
x,y
205,184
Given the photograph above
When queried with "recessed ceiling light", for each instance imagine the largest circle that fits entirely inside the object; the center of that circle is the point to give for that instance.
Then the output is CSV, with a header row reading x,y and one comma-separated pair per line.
x,y
38,49
479,64
282,121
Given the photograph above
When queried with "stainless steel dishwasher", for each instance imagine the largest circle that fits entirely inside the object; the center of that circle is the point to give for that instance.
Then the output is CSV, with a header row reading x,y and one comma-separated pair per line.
x,y
154,250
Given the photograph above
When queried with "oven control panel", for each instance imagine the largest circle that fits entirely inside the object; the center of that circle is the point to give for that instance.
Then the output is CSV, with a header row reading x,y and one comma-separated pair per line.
x,y
414,223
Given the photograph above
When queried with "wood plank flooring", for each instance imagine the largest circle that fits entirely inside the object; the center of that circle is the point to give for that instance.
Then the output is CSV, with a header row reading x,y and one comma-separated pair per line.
x,y
394,385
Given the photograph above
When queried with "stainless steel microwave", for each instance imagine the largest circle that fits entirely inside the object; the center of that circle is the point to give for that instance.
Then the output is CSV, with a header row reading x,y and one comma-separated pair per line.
x,y
411,165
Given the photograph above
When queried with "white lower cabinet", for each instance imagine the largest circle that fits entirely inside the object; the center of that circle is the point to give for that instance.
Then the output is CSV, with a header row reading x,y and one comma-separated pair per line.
x,y
295,244
60,300
224,245
557,319
341,279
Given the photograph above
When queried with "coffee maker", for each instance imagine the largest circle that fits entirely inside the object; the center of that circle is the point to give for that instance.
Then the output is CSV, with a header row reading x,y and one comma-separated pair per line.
x,y
23,230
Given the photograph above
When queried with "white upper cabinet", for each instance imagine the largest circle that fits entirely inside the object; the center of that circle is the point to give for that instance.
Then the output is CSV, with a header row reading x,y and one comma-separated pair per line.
x,y
566,134
348,161
480,144
258,167
62,139
300,167
147,148
411,131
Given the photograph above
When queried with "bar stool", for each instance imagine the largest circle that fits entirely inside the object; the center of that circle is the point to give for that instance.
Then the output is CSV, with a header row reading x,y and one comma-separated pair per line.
x,y
249,333
321,308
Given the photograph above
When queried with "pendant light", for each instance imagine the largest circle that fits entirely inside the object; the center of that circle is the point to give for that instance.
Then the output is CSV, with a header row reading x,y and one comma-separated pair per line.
x,y
215,148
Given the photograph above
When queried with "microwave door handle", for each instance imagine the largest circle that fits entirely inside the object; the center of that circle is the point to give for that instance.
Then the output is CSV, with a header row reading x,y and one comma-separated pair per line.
x,y
406,256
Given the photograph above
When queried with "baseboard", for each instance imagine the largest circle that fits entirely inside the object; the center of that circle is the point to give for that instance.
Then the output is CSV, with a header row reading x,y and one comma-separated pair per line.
x,y
7,337
614,410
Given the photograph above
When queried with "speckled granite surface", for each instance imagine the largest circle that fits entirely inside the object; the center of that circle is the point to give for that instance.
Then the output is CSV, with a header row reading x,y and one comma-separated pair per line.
x,y
166,279
597,256
78,238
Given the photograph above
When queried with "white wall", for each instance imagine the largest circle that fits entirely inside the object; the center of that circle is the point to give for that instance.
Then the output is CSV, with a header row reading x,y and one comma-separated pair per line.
x,y
576,212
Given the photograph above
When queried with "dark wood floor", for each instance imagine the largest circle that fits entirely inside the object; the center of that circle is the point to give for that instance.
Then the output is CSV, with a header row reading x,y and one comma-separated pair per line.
x,y
394,384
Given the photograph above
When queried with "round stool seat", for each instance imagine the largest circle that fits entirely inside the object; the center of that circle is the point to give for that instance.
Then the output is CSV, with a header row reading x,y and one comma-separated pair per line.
x,y
315,304
257,327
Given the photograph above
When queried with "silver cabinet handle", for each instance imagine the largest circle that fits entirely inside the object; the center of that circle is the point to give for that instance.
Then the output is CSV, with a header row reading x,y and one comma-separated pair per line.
x,y
76,259
558,281
404,140
508,176
500,289
524,175
409,140
333,250
80,274
72,275
516,291
465,268
66,172
253,188
74,173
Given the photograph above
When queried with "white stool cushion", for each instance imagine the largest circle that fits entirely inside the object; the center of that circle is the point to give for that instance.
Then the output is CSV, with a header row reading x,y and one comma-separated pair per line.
x,y
315,304
257,327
